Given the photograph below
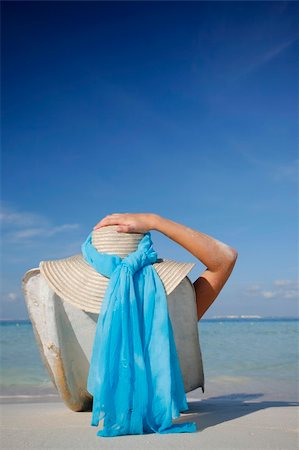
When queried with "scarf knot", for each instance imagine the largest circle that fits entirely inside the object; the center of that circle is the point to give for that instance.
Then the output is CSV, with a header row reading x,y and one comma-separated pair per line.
x,y
143,256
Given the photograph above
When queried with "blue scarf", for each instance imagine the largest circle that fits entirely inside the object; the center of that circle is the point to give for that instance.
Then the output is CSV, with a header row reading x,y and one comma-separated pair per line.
x,y
134,376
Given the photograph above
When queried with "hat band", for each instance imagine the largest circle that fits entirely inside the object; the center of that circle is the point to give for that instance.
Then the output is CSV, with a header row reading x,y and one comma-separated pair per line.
x,y
134,374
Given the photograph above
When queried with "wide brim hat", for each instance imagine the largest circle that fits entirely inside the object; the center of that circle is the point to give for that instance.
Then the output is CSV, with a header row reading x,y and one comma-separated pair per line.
x,y
78,283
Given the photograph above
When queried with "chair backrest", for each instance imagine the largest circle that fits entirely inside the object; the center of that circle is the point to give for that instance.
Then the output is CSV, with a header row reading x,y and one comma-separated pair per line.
x,y
65,334
183,316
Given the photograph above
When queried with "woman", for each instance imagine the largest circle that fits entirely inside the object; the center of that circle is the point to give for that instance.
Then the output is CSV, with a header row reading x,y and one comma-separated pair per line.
x,y
219,258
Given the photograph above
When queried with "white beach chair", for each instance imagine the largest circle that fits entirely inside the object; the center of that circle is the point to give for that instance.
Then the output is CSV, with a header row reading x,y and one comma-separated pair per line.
x,y
65,334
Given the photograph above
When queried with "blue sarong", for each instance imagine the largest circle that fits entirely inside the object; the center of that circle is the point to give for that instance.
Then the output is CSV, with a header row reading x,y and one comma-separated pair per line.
x,y
134,376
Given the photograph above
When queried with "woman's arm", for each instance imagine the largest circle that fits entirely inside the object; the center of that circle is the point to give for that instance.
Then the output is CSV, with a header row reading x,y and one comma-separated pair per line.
x,y
219,258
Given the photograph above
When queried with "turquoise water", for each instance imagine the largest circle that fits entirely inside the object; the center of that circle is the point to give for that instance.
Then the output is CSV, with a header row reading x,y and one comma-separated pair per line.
x,y
239,356
253,356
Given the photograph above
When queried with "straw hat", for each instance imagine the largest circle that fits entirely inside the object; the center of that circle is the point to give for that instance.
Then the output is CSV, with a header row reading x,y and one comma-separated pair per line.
x,y
78,283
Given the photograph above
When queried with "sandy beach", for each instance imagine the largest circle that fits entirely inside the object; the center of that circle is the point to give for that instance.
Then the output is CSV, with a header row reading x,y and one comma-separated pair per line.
x,y
223,422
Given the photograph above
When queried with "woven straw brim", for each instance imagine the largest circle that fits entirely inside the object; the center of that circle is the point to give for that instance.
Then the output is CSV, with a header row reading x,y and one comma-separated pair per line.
x,y
78,283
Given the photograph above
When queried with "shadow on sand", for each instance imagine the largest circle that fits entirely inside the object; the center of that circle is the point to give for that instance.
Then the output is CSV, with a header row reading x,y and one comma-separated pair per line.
x,y
215,410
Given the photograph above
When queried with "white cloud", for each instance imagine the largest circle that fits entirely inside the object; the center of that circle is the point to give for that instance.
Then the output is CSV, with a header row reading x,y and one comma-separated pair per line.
x,y
46,231
20,219
21,227
263,58
253,288
11,296
280,289
291,293
287,171
276,170
283,282
268,294
24,234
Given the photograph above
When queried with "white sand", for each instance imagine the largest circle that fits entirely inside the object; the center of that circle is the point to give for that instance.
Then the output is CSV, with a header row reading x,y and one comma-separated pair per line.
x,y
222,424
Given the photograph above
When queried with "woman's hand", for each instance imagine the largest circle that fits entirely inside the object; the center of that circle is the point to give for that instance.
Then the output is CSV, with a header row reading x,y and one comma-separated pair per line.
x,y
129,223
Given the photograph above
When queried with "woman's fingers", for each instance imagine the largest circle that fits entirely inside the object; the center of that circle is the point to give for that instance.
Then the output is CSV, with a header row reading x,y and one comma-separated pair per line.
x,y
112,219
124,228
128,222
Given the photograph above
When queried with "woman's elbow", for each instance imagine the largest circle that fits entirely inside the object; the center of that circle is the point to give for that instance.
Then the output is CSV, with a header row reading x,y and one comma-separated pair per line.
x,y
234,253
229,257
232,256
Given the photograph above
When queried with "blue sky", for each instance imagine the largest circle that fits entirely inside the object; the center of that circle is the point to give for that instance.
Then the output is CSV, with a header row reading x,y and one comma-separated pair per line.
x,y
185,109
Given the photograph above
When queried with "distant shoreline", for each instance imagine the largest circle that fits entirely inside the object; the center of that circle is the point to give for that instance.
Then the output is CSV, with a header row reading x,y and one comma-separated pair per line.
x,y
213,318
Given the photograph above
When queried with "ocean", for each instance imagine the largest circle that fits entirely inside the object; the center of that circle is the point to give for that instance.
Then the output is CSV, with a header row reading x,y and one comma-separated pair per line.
x,y
257,357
